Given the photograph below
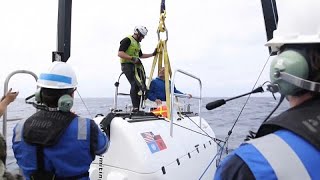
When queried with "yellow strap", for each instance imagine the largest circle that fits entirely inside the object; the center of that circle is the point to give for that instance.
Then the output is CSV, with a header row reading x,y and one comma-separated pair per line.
x,y
136,73
162,58
155,60
162,26
167,78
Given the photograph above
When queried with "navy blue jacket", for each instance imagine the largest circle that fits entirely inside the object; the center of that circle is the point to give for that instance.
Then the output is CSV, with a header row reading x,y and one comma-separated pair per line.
x,y
267,159
71,156
157,90
286,147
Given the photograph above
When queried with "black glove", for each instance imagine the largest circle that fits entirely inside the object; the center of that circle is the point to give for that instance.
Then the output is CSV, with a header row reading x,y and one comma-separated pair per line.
x,y
105,123
136,60
154,52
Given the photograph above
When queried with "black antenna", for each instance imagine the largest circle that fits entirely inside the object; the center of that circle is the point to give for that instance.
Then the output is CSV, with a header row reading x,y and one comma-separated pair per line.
x,y
64,32
270,15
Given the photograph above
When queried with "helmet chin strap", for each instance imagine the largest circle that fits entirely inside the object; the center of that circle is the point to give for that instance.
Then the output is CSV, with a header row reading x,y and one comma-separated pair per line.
x,y
140,37
299,82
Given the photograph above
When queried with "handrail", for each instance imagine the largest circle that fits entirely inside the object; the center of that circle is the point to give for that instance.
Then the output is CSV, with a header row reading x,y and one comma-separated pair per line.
x,y
185,96
115,99
116,93
181,95
6,83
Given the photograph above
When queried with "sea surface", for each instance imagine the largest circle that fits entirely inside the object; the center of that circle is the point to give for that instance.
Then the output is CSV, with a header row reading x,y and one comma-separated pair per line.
x,y
220,119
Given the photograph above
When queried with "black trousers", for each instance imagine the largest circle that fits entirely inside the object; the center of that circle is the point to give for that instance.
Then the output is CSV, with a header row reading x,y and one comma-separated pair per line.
x,y
128,70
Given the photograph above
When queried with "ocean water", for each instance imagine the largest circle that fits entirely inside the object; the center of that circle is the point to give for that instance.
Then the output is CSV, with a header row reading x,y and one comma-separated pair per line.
x,y
220,119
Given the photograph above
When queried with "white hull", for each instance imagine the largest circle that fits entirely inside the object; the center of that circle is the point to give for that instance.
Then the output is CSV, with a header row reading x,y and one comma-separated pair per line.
x,y
186,155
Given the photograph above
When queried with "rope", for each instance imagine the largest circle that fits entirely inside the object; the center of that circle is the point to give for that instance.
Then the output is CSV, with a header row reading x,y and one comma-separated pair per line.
x,y
84,104
235,122
218,141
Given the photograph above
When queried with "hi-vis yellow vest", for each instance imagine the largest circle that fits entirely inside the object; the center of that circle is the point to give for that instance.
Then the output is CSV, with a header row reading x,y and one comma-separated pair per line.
x,y
133,50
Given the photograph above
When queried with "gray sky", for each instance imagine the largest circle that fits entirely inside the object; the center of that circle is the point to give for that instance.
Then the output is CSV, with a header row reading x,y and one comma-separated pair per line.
x,y
221,42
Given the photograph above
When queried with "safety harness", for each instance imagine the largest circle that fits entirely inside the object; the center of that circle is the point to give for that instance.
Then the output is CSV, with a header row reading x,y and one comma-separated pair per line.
x,y
44,129
303,120
140,77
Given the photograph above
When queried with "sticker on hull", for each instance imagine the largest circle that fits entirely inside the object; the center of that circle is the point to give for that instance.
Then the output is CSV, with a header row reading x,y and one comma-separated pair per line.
x,y
154,142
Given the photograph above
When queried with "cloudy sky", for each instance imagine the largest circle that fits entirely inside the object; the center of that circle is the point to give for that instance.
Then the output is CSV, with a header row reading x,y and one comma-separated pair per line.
x,y
221,42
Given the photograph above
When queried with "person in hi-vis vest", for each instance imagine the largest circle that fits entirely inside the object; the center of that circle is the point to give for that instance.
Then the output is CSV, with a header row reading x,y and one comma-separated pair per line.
x,y
130,53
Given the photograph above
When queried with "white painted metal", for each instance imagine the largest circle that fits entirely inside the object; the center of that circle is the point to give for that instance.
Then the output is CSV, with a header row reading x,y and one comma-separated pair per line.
x,y
129,157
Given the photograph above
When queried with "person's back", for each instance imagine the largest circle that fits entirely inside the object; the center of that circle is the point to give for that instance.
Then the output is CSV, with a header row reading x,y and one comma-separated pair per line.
x,y
55,142
67,154
281,150
288,145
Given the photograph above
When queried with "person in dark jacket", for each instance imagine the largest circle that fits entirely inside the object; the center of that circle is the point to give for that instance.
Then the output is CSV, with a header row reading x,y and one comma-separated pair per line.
x,y
157,90
55,143
288,145
130,53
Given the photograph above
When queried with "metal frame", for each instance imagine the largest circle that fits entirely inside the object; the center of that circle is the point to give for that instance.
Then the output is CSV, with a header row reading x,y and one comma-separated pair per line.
x,y
6,83
116,93
183,96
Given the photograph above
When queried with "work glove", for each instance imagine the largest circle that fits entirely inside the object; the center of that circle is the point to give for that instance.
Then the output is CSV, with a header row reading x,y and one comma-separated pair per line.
x,y
136,60
154,52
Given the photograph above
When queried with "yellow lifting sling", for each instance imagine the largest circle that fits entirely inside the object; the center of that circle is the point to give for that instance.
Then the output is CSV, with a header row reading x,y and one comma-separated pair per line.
x,y
162,56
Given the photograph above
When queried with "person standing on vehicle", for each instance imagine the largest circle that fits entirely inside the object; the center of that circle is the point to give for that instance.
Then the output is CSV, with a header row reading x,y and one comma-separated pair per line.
x,y
55,143
130,53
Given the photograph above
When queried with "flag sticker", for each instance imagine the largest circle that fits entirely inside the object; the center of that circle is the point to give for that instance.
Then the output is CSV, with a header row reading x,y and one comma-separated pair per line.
x,y
148,136
154,142
160,142
153,147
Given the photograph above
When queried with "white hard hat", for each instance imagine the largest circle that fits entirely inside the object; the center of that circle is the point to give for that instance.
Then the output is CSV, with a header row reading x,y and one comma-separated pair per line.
x,y
141,30
59,76
298,23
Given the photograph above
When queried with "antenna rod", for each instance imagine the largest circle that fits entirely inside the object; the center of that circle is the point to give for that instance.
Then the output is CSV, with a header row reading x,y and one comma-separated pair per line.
x,y
64,32
270,14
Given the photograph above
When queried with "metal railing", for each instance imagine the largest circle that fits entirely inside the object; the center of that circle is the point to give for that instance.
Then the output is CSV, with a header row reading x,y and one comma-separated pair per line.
x,y
116,93
183,96
6,83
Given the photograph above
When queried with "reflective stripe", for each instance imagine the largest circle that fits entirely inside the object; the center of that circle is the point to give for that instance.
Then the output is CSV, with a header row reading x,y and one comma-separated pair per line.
x,y
278,154
55,77
18,131
82,128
